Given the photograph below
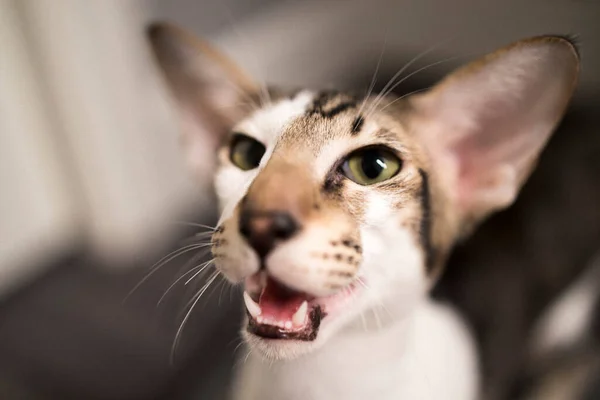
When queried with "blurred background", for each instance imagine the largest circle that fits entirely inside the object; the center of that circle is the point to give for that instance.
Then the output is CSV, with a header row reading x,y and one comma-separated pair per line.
x,y
94,191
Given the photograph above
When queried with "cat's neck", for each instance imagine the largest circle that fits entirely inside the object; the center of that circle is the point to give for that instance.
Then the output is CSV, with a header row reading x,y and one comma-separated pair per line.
x,y
400,360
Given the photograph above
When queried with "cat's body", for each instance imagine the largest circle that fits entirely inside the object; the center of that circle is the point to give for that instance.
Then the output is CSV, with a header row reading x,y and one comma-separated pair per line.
x,y
428,355
338,213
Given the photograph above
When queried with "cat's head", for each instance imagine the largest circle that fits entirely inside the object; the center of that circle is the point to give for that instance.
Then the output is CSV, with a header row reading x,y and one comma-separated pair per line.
x,y
339,211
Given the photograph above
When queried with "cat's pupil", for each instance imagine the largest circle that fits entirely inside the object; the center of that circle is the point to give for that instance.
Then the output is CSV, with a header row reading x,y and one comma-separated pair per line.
x,y
254,152
372,164
245,152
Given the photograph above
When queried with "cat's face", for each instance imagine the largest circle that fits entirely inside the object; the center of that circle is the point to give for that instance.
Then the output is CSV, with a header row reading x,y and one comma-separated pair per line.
x,y
337,212
324,208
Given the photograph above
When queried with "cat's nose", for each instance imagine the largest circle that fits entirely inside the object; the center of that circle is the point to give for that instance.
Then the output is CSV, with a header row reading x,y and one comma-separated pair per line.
x,y
265,229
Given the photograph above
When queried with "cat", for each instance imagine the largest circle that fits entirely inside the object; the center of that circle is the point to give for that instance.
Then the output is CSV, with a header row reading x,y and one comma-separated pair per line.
x,y
339,212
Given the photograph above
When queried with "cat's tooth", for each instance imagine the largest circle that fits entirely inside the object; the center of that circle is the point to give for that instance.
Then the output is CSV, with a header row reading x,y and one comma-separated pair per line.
x,y
300,315
253,308
288,325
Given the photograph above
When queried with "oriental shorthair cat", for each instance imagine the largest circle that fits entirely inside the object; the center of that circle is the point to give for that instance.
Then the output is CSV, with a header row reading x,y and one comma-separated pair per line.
x,y
338,212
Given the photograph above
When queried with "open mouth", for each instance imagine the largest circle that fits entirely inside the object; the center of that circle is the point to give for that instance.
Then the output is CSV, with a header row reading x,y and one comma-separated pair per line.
x,y
278,312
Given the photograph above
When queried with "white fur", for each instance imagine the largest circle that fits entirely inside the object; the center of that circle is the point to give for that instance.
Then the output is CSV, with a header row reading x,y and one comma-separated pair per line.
x,y
393,263
267,123
427,355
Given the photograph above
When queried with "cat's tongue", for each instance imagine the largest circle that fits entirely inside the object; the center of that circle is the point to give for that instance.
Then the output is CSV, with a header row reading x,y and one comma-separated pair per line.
x,y
282,306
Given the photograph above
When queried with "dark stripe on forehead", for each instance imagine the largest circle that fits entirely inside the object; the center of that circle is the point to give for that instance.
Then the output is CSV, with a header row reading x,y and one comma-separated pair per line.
x,y
339,109
319,102
425,229
329,104
324,97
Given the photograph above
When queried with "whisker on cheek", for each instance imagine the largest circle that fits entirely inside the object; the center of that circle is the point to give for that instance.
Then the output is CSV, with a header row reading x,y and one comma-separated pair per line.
x,y
377,319
362,283
203,267
163,261
239,345
164,295
195,299
224,284
373,81
188,223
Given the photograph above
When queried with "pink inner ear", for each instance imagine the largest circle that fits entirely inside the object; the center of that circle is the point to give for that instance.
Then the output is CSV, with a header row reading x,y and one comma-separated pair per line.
x,y
490,154
485,127
496,149
199,141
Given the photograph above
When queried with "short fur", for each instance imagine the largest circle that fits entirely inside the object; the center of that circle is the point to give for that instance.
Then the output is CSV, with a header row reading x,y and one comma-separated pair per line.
x,y
368,254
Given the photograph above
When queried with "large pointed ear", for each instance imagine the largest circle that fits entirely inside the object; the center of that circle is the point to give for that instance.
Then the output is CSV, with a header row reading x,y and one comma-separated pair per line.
x,y
212,93
485,125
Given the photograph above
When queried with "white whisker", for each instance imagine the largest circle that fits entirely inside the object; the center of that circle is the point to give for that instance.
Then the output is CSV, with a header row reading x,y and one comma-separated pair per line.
x,y
203,267
204,234
252,105
249,100
188,223
377,320
223,286
202,253
373,79
364,321
197,297
175,283
247,356
264,96
231,287
403,96
169,257
384,91
362,283
239,345
412,74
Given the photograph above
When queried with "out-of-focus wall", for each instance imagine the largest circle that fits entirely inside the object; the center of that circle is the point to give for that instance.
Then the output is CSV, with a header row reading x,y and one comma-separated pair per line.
x,y
324,42
90,159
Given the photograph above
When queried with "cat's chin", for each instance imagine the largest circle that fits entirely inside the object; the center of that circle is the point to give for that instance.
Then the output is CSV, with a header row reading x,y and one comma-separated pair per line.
x,y
289,348
281,349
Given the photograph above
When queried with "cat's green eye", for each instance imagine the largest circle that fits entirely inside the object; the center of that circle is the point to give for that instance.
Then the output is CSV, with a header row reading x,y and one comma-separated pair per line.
x,y
371,165
245,152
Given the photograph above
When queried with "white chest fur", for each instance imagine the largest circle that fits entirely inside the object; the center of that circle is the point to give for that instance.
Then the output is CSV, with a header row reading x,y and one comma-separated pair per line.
x,y
428,356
